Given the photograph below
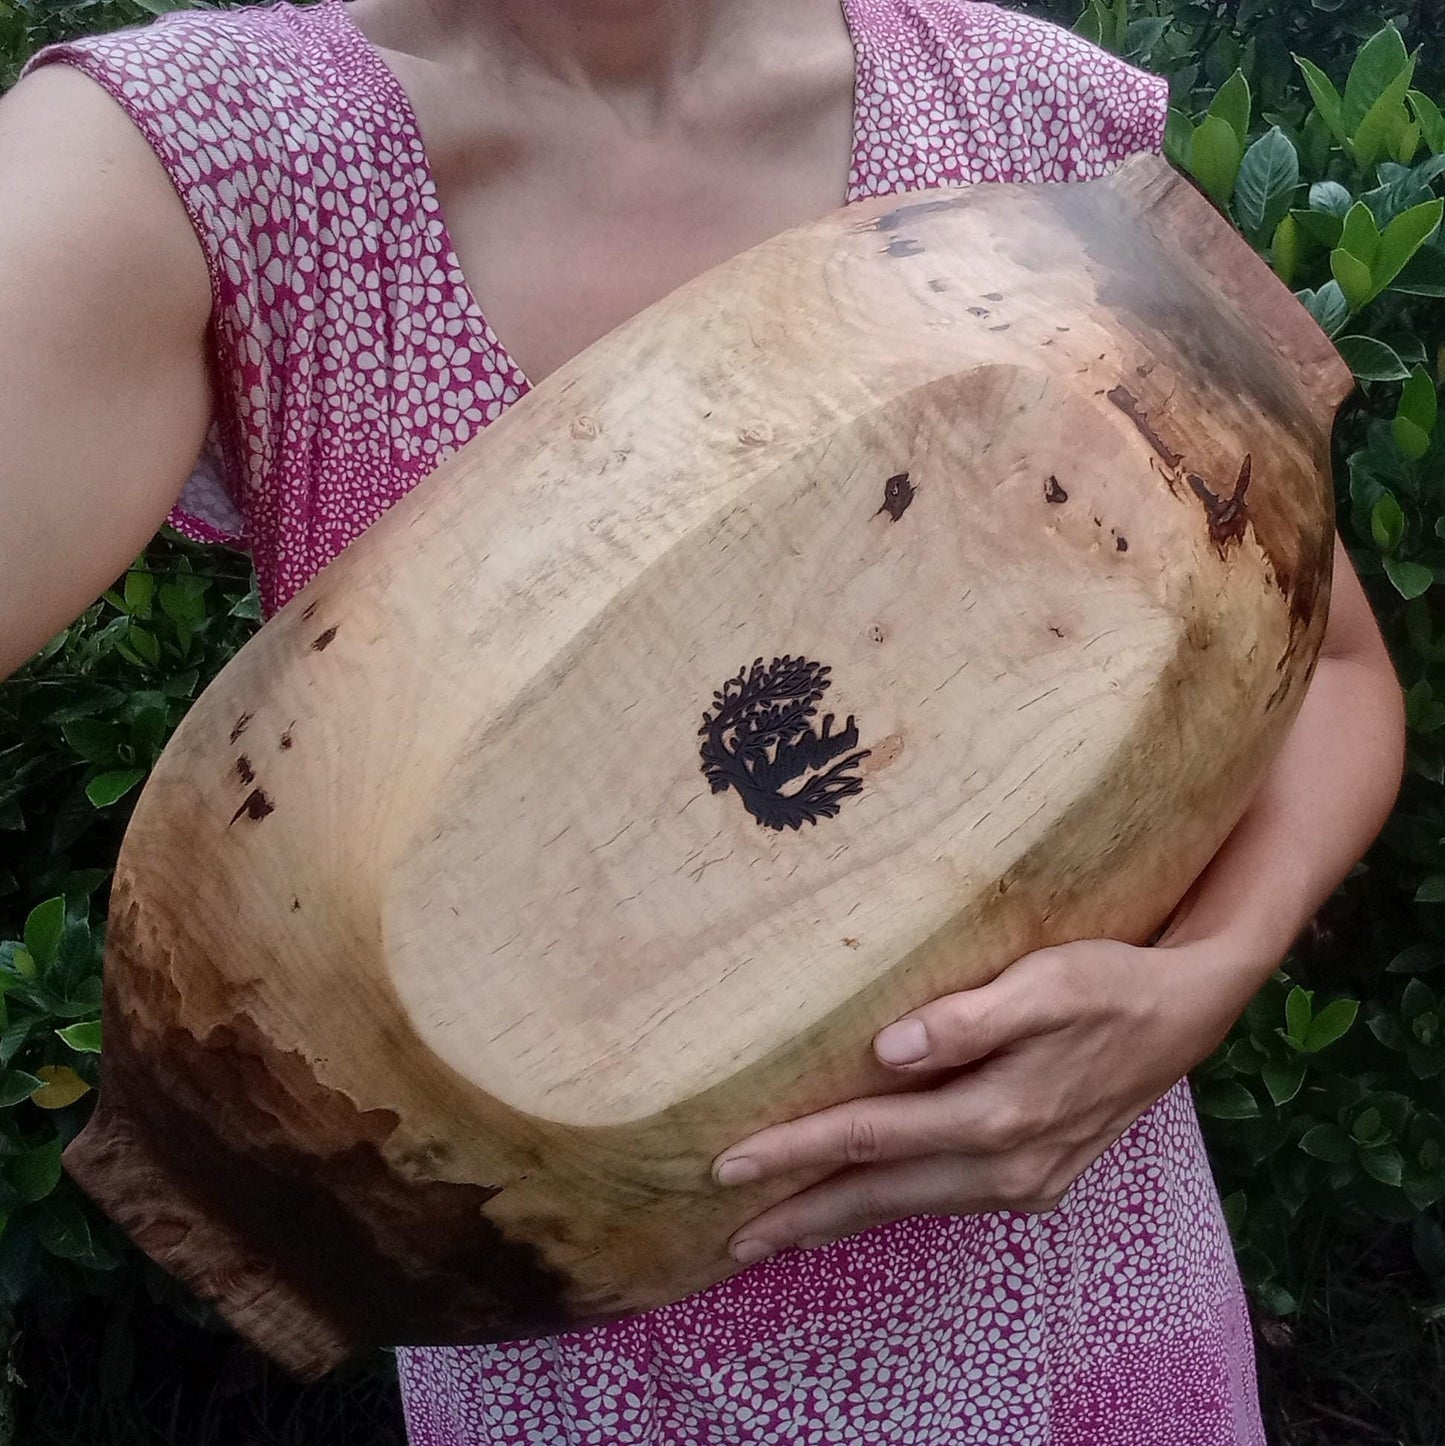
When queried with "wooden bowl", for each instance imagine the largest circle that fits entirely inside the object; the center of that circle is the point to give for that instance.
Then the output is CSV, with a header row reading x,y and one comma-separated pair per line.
x,y
925,586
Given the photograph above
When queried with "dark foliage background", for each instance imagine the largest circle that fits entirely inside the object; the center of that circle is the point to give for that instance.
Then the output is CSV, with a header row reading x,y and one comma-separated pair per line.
x,y
1317,128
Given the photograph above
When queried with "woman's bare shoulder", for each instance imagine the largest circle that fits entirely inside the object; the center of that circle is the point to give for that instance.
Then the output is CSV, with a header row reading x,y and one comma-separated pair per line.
x,y
104,396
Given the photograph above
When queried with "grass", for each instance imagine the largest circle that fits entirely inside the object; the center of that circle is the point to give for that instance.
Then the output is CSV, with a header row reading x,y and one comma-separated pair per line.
x,y
135,1375
1363,1362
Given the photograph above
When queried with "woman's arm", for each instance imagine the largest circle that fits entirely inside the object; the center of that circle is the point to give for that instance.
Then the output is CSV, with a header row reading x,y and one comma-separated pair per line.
x,y
1323,801
1070,1045
104,392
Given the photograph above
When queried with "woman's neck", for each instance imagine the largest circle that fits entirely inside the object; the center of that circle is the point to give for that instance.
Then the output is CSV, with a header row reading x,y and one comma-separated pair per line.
x,y
602,45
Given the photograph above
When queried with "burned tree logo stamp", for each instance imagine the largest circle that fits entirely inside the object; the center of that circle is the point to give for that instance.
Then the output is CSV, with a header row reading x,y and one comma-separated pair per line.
x,y
758,737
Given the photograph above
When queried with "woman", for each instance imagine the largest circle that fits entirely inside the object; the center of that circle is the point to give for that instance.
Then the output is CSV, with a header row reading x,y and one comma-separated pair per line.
x,y
223,238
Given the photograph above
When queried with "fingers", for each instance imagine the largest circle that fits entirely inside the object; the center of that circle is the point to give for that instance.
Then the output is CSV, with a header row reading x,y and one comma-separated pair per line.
x,y
1028,998
965,1116
943,1184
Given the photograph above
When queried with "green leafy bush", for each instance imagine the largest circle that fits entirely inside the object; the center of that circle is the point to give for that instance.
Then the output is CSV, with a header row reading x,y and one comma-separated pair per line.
x,y
80,726
1337,184
26,25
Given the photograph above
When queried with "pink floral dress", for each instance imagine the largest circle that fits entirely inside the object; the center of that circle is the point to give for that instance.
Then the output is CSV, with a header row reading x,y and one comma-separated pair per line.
x,y
353,359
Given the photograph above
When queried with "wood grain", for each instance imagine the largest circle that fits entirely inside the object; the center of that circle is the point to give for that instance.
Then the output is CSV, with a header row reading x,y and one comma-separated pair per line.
x,y
437,969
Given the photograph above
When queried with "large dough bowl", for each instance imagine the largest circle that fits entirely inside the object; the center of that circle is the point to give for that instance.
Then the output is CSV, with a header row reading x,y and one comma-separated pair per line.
x,y
925,586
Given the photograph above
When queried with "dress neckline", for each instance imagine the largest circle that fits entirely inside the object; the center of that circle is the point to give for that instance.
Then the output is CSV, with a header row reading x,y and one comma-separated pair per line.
x,y
359,44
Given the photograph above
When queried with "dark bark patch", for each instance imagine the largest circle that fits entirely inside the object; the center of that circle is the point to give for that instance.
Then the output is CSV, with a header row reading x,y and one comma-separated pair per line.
x,y
898,495
1128,403
891,220
256,806
1228,516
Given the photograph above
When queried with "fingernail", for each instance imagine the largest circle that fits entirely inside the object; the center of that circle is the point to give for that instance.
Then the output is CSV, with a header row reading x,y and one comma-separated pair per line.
x,y
749,1252
737,1171
902,1043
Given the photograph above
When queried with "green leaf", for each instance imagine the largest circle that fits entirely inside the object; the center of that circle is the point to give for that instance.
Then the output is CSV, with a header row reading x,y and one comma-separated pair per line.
x,y
1331,1023
1424,273
14,1035
37,1172
1329,1143
1352,276
1091,23
43,928
84,1038
1403,237
1416,414
1268,178
1417,999
181,685
85,701
1370,1128
64,1230
1233,105
94,741
1387,522
1214,158
107,788
1331,198
1416,959
145,644
1236,1207
1371,360
1432,123
1298,1011
1385,1164
1428,718
1284,250
1328,307
1119,30
1319,229
140,588
1379,64
1227,1100
1178,137
1388,1030
1411,441
1377,133
248,607
17,1085
1328,101
184,600
1361,236
1432,890
1409,579
1144,34
1283,1080
1404,139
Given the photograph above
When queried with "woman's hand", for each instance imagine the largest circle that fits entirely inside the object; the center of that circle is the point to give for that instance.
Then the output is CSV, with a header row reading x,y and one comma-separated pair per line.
x,y
1033,1077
